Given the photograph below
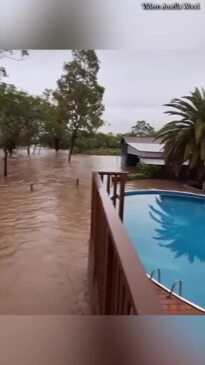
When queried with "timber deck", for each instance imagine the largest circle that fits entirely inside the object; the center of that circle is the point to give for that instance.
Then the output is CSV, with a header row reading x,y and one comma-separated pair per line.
x,y
173,305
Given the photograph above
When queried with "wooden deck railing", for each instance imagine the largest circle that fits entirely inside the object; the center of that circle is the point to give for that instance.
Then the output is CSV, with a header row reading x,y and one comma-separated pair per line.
x,y
118,283
111,179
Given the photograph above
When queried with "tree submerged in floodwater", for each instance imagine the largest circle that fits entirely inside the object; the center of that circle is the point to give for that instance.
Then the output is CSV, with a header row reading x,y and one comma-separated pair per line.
x,y
58,117
79,96
20,119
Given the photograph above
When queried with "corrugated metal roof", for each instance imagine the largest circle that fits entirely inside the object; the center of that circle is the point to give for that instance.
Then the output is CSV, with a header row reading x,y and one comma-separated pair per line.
x,y
147,147
157,161
153,161
141,140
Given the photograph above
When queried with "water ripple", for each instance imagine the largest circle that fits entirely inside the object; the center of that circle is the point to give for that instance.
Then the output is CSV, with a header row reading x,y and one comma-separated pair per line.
x,y
44,233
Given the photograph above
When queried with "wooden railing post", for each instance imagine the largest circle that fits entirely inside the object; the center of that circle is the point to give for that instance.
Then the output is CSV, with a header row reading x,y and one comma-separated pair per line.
x,y
108,183
122,198
107,295
93,208
115,189
122,286
92,243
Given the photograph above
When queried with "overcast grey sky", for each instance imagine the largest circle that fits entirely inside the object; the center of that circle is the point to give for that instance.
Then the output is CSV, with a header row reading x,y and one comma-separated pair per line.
x,y
163,51
137,83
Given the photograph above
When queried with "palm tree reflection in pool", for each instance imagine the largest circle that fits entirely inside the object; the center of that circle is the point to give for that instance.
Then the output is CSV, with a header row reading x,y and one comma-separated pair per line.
x,y
184,229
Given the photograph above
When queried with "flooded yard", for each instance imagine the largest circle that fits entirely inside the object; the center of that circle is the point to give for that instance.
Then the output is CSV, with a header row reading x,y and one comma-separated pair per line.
x,y
44,234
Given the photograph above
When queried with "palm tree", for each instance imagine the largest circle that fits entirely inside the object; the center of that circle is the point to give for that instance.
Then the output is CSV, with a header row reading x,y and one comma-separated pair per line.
x,y
184,137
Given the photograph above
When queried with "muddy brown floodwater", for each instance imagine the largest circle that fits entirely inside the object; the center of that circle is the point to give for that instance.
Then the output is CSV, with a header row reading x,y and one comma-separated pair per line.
x,y
44,234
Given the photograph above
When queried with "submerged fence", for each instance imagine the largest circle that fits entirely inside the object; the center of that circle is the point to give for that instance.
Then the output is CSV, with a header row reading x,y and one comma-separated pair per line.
x,y
118,283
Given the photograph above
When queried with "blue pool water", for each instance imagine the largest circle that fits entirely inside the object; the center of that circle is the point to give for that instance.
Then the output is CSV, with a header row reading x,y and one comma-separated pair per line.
x,y
167,230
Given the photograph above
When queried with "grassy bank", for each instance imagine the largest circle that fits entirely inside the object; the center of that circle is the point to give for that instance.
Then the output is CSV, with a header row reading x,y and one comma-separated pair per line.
x,y
101,152
144,171
136,176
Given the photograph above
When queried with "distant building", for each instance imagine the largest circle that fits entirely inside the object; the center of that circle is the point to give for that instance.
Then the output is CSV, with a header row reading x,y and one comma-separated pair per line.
x,y
141,150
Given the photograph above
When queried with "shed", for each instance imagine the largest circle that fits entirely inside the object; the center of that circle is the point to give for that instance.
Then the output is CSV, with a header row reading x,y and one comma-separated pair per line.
x,y
141,149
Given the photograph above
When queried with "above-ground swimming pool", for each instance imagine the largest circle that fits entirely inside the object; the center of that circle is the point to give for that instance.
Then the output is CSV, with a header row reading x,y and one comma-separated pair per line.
x,y
167,229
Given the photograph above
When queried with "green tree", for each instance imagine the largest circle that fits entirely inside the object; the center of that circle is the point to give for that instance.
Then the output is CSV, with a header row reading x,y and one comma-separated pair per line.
x,y
97,142
142,129
54,123
79,95
184,137
20,115
17,55
13,115
9,118
33,121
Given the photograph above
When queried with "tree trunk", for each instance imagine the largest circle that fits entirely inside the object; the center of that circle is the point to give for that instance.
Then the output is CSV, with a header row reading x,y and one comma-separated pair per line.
x,y
10,151
10,146
28,150
5,163
34,149
72,144
57,144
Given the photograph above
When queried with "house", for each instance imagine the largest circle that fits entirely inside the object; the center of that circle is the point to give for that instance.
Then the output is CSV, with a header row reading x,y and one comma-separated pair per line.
x,y
141,150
